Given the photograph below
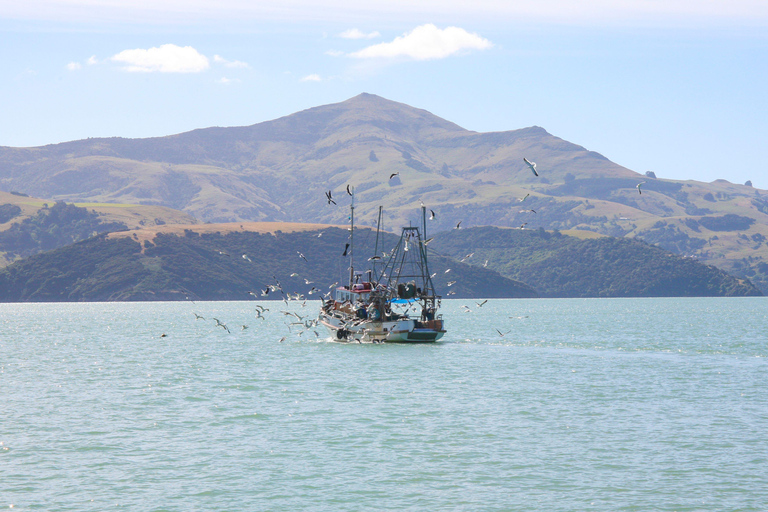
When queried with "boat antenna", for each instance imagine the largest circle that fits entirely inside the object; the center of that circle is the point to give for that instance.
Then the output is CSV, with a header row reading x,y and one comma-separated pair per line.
x,y
378,229
424,221
352,240
423,249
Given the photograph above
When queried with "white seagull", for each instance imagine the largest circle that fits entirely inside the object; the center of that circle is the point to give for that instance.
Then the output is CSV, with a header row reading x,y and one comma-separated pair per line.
x,y
531,165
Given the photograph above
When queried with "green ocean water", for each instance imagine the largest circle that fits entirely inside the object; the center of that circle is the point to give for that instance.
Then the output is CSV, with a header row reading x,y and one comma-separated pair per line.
x,y
583,404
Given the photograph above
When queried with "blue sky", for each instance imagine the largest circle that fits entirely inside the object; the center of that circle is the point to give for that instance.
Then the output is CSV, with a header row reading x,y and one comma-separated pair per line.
x,y
676,87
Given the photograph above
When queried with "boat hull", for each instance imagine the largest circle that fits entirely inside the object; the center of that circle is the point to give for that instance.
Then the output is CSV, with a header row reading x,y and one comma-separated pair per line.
x,y
404,330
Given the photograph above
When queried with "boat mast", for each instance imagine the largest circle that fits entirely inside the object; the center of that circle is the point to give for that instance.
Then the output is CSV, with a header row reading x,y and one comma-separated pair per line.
x,y
423,249
352,240
376,249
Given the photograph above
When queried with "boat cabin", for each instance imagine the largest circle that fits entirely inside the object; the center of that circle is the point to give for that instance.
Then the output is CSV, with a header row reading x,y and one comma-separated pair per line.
x,y
359,291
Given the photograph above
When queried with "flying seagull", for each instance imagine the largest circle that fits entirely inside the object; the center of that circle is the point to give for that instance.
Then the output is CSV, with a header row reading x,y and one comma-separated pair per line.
x,y
531,165
638,187
223,326
458,226
526,211
349,191
302,256
245,257
199,317
480,304
432,215
524,198
345,251
394,174
329,197
503,333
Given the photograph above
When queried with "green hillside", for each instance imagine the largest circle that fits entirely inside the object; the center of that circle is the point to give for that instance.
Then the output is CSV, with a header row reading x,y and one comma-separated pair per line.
x,y
563,266
280,170
213,267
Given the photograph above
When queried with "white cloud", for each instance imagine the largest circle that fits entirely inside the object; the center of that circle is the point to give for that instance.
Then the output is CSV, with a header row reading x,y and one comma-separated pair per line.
x,y
167,58
426,42
92,60
334,53
226,81
311,78
73,66
230,63
354,33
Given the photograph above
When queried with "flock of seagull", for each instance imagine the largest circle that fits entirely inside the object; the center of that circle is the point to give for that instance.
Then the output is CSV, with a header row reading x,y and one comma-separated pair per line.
x,y
305,324
432,216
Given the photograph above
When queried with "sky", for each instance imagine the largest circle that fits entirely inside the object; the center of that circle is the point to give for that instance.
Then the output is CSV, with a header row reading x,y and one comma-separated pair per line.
x,y
677,87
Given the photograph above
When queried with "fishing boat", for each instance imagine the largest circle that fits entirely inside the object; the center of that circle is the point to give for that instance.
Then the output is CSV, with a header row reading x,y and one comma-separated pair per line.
x,y
392,301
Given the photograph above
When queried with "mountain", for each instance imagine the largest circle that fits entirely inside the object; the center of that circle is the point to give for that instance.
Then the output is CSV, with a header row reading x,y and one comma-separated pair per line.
x,y
280,170
226,264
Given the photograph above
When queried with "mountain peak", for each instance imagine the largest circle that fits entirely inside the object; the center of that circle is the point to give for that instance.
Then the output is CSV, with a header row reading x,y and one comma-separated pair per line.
x,y
379,113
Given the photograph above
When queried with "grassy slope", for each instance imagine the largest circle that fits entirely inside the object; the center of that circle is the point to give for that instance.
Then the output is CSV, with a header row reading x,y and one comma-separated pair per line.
x,y
132,215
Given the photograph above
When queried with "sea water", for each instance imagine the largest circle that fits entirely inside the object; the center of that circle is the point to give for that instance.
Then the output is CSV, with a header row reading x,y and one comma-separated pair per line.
x,y
550,405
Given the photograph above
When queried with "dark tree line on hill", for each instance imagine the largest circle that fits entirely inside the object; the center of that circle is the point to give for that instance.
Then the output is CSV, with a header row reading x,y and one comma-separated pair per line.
x,y
563,266
241,266
213,267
